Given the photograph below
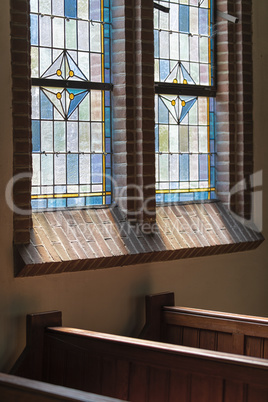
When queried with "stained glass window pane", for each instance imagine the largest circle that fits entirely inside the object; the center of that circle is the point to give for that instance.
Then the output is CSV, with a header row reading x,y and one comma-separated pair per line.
x,y
185,124
184,42
185,147
71,108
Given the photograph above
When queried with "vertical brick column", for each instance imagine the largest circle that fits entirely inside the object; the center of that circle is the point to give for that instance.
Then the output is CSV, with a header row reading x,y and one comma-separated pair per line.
x,y
145,136
234,105
133,108
21,104
244,103
224,126
123,98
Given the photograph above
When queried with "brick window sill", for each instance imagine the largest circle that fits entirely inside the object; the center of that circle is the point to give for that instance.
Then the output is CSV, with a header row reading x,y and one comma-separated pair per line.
x,y
79,240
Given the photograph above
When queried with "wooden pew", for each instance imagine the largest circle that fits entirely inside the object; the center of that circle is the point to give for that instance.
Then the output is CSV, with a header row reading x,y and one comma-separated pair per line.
x,y
136,369
17,389
218,331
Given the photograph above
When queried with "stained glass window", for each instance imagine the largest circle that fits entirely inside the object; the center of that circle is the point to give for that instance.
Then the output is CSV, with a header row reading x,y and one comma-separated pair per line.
x,y
184,101
71,103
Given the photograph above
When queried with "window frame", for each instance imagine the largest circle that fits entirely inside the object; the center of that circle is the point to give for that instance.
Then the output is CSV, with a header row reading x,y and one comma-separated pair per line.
x,y
179,89
45,83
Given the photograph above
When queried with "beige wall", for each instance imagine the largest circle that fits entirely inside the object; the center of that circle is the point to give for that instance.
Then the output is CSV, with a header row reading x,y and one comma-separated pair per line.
x,y
112,300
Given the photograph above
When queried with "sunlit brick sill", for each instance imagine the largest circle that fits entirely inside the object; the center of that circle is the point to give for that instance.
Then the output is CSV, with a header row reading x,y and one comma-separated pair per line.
x,y
80,240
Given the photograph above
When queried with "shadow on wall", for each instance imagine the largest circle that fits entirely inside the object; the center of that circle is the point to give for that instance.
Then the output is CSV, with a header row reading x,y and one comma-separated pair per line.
x,y
13,338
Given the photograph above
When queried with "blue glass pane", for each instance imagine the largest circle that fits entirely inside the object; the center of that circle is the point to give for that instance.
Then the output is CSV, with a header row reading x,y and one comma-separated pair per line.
x,y
212,146
46,107
106,15
162,113
94,200
212,125
96,168
186,75
186,108
39,204
107,115
107,98
186,197
57,203
107,53
76,101
36,135
106,3
72,169
73,66
108,180
106,30
211,3
212,159
108,200
76,202
171,197
108,160
202,195
34,29
95,10
184,167
156,43
159,197
107,75
203,167
108,145
212,177
107,129
164,69
184,19
213,195
203,21
70,9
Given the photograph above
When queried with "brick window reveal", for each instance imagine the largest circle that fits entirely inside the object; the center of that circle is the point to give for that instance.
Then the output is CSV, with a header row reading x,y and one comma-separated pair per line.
x,y
235,103
21,89
133,135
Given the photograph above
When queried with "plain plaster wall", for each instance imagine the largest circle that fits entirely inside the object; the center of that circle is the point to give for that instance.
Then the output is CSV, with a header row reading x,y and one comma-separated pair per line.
x,y
113,299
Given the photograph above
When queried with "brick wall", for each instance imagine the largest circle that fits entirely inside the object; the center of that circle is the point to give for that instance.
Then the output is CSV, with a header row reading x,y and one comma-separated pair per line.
x,y
133,106
234,104
21,106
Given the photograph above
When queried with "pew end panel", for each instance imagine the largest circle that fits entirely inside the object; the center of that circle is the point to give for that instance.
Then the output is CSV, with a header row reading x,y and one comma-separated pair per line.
x,y
30,362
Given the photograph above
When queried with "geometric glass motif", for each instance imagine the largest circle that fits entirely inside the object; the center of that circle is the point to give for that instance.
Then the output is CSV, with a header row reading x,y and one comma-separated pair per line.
x,y
179,74
179,105
64,67
71,103
65,100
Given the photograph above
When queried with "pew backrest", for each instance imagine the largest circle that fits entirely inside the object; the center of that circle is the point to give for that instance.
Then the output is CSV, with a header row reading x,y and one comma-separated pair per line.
x,y
224,332
18,389
138,370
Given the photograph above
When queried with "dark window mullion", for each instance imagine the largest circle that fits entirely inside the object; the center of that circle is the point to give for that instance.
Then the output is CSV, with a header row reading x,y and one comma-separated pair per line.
x,y
87,85
182,89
